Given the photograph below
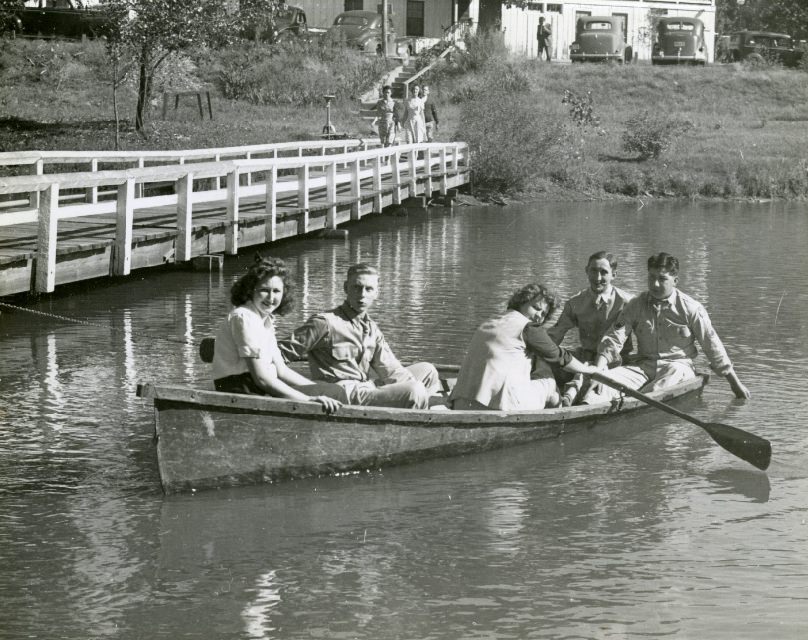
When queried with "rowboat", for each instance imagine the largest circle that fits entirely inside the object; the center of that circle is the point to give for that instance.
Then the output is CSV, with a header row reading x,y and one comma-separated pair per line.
x,y
207,439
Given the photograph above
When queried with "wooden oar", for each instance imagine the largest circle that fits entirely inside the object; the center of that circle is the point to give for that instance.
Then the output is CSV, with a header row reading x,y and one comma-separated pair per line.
x,y
755,450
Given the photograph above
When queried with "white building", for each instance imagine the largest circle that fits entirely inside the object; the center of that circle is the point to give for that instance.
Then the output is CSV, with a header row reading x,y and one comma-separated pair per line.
x,y
430,18
427,18
520,25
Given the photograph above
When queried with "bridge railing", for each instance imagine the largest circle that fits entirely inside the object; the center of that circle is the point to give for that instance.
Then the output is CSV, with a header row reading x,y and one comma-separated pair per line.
x,y
202,182
40,162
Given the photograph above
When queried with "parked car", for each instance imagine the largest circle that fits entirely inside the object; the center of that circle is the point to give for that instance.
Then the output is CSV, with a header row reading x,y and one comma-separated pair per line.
x,y
63,18
761,46
288,24
679,40
600,39
362,30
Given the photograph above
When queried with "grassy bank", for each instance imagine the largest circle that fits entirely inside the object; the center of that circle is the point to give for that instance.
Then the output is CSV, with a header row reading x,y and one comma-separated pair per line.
x,y
732,131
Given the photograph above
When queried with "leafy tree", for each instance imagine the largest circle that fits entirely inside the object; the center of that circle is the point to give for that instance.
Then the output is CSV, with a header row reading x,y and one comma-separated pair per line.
x,y
155,29
785,16
8,8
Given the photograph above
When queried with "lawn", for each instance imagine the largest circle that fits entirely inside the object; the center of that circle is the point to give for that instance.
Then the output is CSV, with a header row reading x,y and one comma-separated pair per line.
x,y
740,132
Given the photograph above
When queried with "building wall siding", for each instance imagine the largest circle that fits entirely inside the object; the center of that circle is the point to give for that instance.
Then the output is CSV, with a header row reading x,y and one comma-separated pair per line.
x,y
519,25
437,13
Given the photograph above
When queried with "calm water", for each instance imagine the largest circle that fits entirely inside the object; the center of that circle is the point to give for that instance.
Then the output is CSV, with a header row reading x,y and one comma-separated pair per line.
x,y
646,529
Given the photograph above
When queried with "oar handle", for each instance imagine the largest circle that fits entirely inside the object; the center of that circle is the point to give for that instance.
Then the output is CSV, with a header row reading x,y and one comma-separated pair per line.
x,y
641,396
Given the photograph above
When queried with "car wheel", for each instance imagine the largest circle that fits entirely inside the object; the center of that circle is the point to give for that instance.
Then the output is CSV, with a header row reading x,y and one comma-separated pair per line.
x,y
755,60
628,55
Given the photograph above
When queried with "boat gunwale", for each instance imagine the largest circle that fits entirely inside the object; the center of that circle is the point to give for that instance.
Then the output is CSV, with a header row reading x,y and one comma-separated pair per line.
x,y
269,405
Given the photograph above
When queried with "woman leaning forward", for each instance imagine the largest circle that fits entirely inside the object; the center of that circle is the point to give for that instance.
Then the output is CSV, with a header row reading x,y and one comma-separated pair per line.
x,y
507,367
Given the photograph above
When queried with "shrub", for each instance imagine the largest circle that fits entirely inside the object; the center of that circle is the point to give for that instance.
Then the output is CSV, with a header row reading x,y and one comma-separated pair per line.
x,y
483,48
294,73
582,109
510,143
650,135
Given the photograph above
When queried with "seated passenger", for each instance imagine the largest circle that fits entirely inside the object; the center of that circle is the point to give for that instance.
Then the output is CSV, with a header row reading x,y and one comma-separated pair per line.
x,y
668,325
496,372
592,311
246,358
344,344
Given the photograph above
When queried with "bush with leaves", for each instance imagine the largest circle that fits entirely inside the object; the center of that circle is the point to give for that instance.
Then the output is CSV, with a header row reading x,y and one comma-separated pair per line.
x,y
582,108
511,144
650,134
294,73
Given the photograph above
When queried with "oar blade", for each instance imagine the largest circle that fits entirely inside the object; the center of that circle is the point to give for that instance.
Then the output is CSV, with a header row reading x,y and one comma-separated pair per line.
x,y
753,449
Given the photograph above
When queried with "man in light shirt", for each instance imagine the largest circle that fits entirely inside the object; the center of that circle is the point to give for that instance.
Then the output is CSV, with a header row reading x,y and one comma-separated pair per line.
x,y
344,345
667,324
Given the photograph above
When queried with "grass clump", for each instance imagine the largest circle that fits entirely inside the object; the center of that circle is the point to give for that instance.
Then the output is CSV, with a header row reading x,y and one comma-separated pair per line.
x,y
650,134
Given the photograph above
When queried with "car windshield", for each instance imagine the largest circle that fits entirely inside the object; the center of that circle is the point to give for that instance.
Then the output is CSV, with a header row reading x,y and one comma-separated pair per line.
x,y
598,26
352,21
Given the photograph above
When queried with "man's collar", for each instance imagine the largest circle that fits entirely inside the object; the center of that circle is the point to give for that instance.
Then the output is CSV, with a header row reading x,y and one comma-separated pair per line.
x,y
350,313
665,302
606,296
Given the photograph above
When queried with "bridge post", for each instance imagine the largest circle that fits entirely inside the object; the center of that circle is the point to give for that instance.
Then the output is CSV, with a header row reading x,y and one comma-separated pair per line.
x,y
45,281
331,195
356,191
92,192
271,205
377,184
396,168
185,189
428,170
303,197
124,218
443,181
33,196
140,185
231,230
413,181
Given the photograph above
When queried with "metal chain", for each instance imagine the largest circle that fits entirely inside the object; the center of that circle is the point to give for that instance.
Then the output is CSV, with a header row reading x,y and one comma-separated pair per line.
x,y
92,324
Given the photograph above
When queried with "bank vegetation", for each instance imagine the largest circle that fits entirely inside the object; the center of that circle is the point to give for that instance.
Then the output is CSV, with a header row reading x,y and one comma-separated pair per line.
x,y
536,130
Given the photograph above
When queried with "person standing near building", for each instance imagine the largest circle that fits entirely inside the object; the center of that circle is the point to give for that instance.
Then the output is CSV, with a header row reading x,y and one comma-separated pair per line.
x,y
430,114
544,36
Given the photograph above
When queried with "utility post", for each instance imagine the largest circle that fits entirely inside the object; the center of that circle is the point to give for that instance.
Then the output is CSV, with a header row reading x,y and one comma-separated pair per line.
x,y
384,28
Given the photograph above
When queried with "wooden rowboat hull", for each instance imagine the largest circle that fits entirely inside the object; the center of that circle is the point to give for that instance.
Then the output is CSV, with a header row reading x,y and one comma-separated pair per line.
x,y
206,439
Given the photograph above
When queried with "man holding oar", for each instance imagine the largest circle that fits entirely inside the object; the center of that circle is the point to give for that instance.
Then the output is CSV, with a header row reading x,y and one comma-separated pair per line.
x,y
667,324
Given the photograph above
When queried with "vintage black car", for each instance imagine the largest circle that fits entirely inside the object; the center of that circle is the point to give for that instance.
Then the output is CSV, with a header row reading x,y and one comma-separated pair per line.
x,y
288,24
600,39
679,40
60,18
362,30
758,47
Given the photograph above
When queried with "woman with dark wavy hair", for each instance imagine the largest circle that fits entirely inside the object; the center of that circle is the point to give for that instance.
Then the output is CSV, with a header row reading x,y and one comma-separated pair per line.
x,y
246,358
506,367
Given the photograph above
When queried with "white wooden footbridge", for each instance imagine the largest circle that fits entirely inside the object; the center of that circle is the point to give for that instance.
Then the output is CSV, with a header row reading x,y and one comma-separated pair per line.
x,y
81,215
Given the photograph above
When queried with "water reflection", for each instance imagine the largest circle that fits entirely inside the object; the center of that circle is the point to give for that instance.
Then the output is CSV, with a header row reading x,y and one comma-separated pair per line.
x,y
750,484
620,531
257,613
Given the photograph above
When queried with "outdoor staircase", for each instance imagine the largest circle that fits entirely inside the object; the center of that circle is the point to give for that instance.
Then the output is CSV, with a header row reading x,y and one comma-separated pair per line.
x,y
397,80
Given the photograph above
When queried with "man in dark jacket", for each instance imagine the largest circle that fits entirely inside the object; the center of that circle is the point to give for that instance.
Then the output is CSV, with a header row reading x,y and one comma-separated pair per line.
x,y
544,36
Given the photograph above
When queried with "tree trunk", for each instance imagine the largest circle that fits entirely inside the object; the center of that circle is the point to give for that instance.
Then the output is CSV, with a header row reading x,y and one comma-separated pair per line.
x,y
115,83
144,87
